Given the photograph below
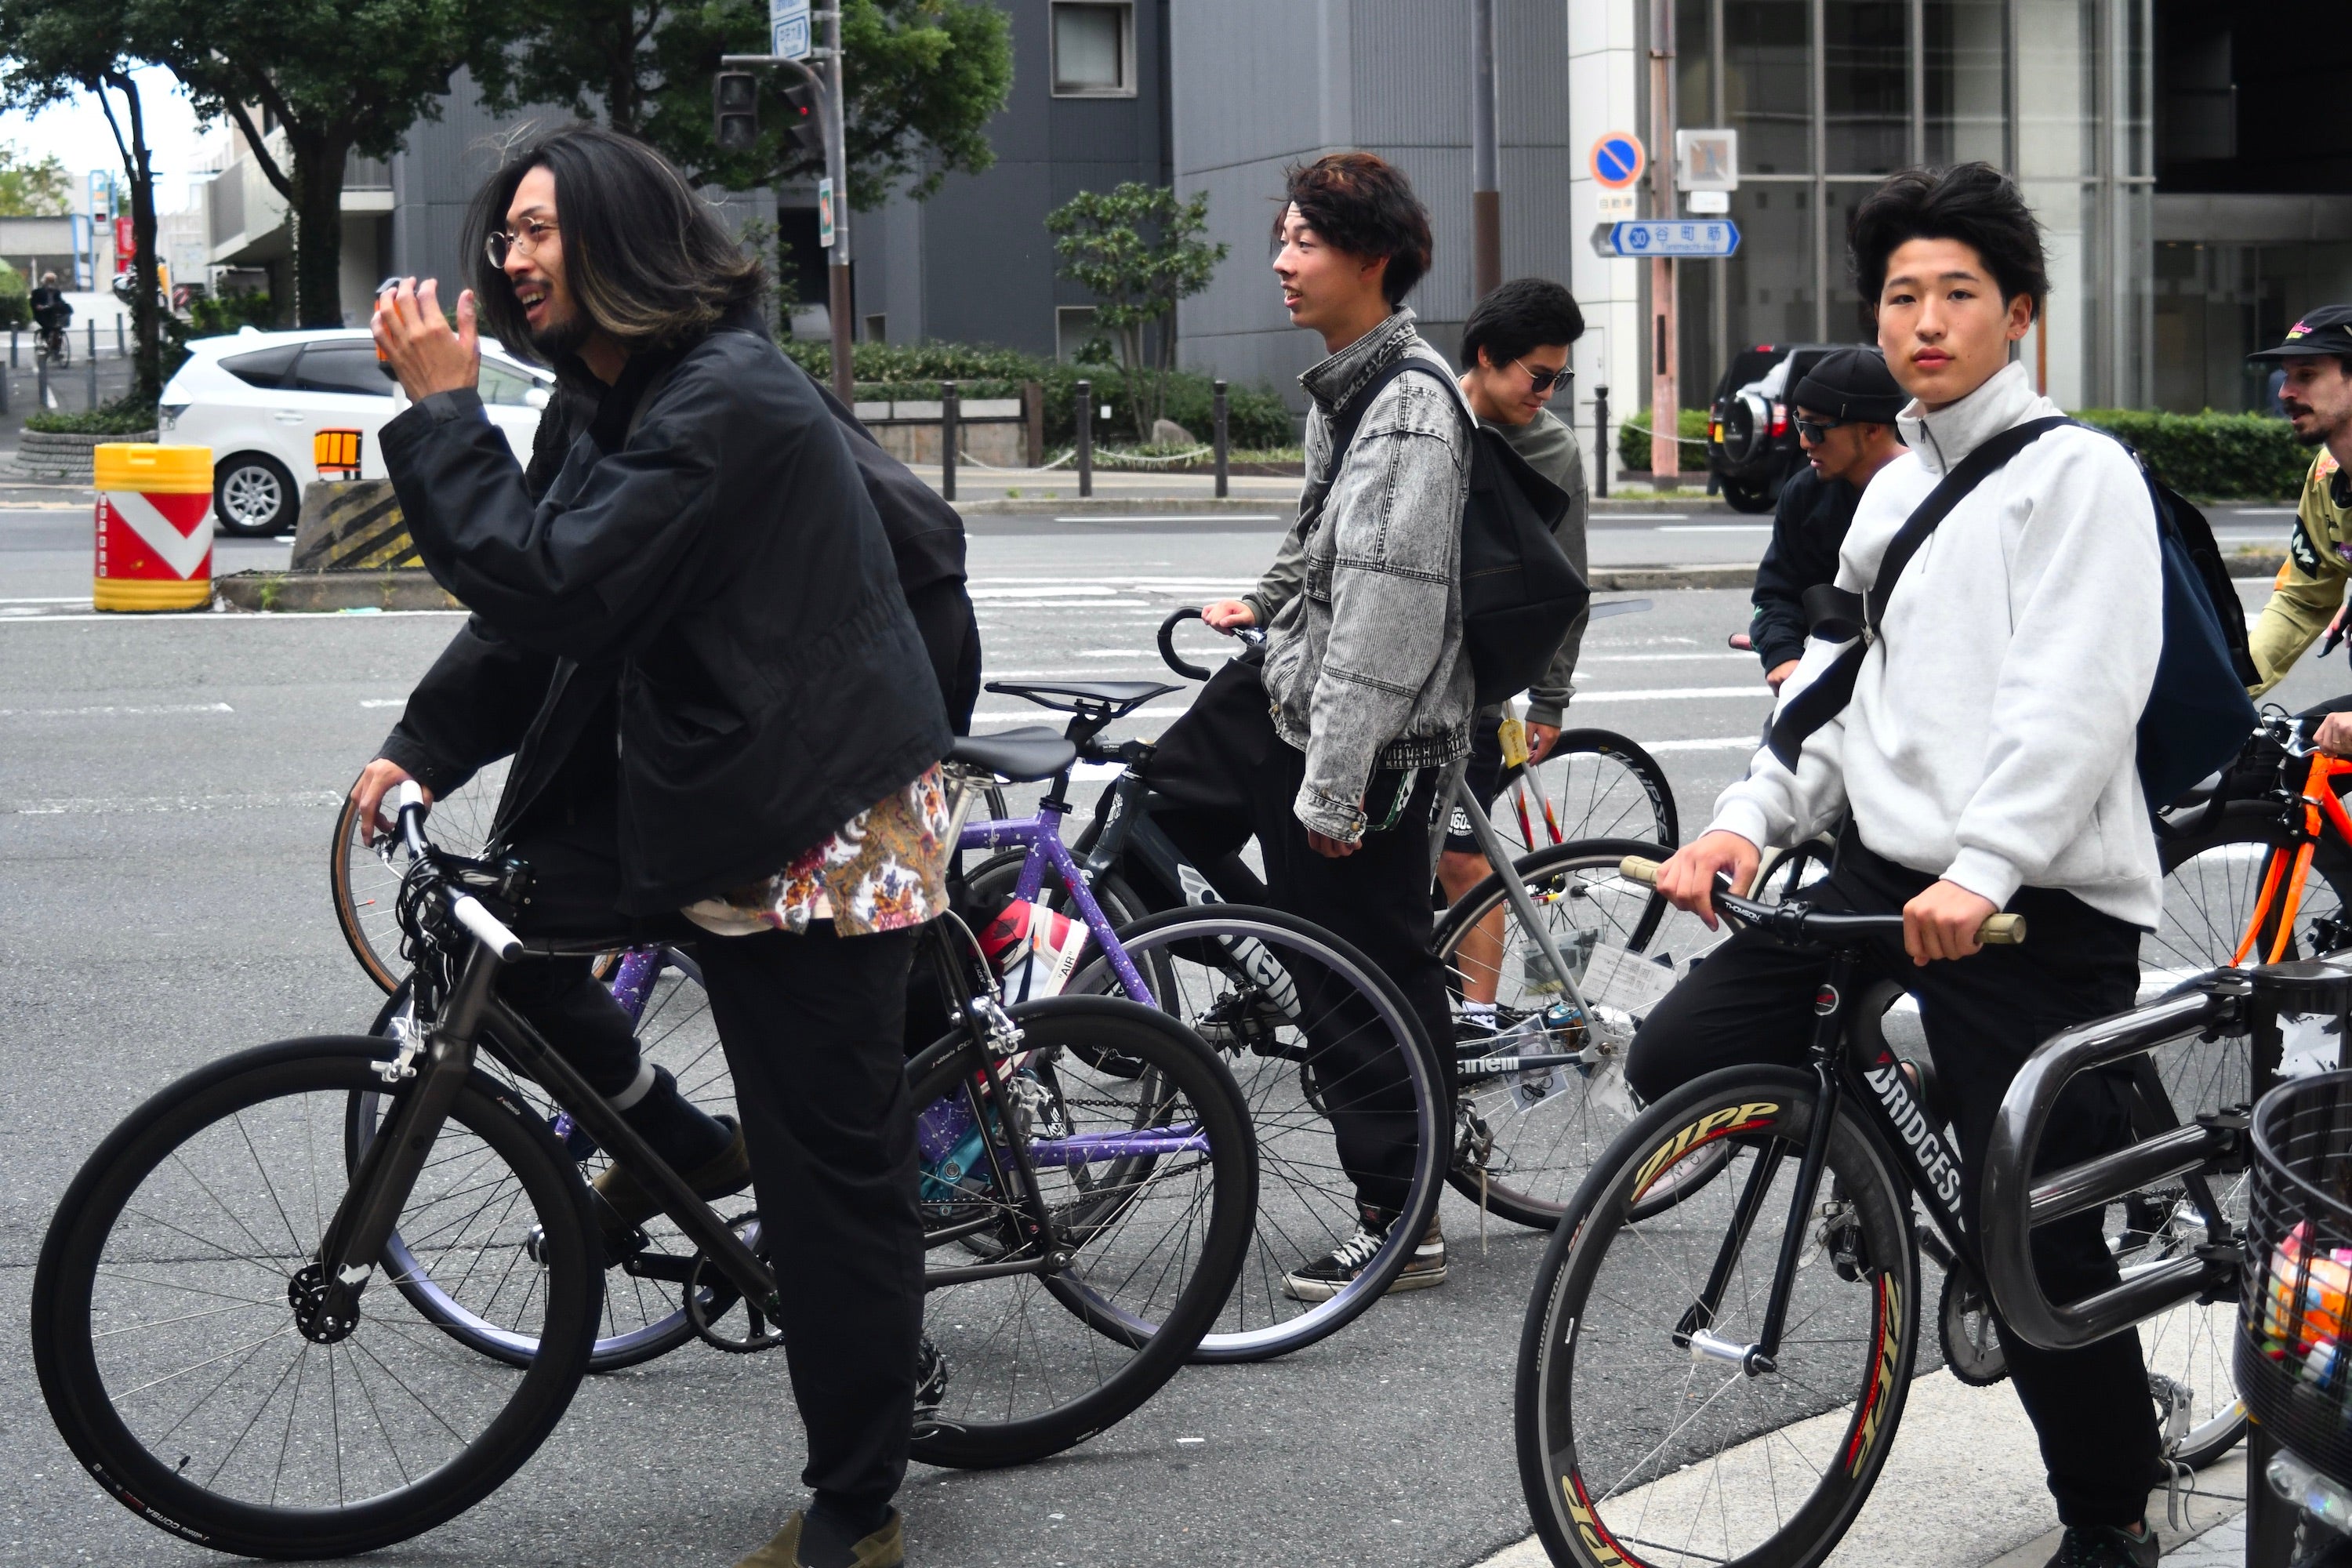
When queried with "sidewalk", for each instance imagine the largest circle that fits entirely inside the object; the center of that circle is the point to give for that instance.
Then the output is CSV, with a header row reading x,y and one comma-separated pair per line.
x,y
982,492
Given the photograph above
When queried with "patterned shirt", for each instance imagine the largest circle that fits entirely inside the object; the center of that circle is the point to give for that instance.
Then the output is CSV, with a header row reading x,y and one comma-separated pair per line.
x,y
886,869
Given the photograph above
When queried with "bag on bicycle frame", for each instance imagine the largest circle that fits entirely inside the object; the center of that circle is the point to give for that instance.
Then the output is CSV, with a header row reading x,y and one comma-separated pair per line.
x,y
1519,593
2197,714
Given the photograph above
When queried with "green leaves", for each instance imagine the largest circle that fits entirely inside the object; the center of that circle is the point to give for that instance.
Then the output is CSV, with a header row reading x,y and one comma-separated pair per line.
x,y
1138,250
31,189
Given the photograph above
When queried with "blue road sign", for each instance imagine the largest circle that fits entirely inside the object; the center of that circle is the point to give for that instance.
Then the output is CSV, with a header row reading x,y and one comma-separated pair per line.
x,y
1715,236
788,27
1617,160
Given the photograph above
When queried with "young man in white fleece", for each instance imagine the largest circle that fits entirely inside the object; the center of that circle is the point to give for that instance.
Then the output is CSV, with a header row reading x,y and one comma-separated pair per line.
x,y
1985,762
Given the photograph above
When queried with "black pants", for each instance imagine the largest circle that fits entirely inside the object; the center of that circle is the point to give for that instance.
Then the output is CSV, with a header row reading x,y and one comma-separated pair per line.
x,y
1752,1000
812,1027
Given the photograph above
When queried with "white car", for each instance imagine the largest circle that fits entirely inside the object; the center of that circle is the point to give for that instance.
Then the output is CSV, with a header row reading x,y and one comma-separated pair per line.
x,y
260,399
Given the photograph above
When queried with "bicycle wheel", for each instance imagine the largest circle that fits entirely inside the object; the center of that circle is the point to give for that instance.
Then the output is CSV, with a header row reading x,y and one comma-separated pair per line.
x,y
1633,1448
1148,1181
1307,1027
365,880
1526,1138
2212,883
169,1350
1595,785
644,1313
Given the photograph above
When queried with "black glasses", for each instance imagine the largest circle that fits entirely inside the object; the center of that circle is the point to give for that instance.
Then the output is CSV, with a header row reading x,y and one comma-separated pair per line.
x,y
1544,380
534,233
1817,430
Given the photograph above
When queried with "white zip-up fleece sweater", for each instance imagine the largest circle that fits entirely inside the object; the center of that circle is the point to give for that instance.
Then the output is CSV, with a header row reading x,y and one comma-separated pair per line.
x,y
1991,739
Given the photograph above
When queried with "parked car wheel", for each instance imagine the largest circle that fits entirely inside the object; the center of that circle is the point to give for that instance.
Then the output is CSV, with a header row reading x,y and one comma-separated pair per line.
x,y
1745,495
253,496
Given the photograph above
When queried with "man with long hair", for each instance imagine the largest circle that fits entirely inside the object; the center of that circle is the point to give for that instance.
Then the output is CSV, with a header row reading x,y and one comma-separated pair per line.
x,y
725,732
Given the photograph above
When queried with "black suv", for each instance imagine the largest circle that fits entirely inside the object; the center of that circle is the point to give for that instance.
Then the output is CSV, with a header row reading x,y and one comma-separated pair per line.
x,y
1751,432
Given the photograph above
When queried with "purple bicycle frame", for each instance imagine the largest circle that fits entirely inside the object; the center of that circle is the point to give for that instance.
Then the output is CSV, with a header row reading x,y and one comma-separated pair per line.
x,y
1041,837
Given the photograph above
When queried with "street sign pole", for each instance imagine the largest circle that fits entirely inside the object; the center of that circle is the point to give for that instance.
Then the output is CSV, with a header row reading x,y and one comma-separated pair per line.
x,y
1485,179
788,29
1665,415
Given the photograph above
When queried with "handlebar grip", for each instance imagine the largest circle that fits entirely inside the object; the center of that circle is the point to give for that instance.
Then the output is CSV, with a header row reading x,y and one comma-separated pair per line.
x,y
1638,868
2002,930
405,794
486,927
1167,644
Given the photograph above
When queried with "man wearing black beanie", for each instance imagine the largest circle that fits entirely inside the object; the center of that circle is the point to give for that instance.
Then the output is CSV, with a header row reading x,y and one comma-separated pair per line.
x,y
1845,408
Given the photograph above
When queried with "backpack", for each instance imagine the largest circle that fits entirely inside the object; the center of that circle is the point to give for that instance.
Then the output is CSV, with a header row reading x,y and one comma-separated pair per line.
x,y
1519,593
2197,714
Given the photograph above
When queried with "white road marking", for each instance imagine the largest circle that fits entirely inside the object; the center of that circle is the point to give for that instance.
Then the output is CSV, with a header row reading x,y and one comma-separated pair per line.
x,y
99,806
1671,694
384,701
1720,528
1187,517
1663,657
111,711
228,618
1600,516
1713,744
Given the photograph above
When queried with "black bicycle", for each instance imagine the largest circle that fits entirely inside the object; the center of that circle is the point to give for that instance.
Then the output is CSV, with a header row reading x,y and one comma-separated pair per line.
x,y
227,1317
1722,1334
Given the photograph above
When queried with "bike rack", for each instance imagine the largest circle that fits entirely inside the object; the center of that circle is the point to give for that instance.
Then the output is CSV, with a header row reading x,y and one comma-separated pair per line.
x,y
2226,1001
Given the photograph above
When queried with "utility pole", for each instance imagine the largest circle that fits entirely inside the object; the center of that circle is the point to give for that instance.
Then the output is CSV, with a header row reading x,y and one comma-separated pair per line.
x,y
1485,160
1666,413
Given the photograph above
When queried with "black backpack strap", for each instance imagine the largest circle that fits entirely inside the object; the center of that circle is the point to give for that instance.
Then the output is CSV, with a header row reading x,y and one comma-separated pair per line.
x,y
1345,420
1842,616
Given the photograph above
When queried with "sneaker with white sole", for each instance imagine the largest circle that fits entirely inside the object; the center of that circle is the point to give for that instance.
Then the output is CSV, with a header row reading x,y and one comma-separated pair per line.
x,y
1345,1263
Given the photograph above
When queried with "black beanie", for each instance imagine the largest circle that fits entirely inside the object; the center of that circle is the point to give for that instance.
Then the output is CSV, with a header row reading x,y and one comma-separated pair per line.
x,y
1852,384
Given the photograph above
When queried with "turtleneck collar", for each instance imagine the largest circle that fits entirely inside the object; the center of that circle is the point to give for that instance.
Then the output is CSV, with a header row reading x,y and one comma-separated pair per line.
x,y
1949,434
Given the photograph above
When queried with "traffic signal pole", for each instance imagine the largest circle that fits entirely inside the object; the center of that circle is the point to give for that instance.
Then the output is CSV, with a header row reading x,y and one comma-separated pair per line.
x,y
831,95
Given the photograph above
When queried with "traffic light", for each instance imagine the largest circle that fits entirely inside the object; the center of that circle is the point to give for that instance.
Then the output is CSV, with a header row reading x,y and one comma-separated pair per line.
x,y
807,126
735,104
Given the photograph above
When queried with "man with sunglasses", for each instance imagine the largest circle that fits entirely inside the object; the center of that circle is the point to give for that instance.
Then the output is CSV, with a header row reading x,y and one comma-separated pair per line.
x,y
1845,408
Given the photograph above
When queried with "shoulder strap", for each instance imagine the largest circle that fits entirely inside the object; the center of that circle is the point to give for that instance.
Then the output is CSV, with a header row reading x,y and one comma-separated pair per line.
x,y
1344,419
1964,476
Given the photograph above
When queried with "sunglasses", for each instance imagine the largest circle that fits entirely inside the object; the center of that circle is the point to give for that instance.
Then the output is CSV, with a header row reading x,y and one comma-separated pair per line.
x,y
1817,430
1544,380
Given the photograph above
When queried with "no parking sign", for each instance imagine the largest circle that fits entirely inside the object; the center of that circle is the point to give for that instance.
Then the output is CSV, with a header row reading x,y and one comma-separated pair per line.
x,y
1617,160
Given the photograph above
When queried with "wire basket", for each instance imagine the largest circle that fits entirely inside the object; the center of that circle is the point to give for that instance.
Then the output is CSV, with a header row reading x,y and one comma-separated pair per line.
x,y
2292,1355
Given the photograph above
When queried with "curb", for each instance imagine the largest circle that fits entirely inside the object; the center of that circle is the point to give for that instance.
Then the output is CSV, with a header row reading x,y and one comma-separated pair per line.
x,y
1650,579
47,454
2257,563
1125,506
1623,498
283,593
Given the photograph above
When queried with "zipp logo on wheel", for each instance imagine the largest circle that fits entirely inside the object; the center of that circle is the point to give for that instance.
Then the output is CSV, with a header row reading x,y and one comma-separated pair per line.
x,y
1705,1130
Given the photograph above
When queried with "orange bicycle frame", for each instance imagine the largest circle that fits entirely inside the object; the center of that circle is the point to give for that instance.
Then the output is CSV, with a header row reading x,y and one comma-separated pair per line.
x,y
2283,881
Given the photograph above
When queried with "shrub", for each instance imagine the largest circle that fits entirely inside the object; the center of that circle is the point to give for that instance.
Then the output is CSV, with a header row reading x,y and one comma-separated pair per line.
x,y
2220,456
1633,440
215,314
15,299
124,417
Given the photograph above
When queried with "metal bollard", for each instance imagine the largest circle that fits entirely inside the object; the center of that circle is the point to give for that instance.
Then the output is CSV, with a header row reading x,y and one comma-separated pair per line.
x,y
1217,417
90,358
12,348
950,411
121,348
1084,392
1600,442
41,362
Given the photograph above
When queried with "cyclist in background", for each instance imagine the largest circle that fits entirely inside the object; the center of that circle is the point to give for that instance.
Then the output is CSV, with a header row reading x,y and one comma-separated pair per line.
x,y
51,313
1985,760
1516,346
1845,408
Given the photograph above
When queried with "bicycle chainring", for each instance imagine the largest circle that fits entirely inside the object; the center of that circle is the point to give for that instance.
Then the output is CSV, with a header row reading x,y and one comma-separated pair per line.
x,y
1972,1340
712,1302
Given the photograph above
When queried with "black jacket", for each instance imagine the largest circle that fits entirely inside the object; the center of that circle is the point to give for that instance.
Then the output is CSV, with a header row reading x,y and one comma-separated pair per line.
x,y
1807,530
707,566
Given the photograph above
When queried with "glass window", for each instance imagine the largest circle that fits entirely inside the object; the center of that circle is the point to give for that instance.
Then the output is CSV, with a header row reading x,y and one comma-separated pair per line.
x,y
263,367
509,384
1867,99
1768,285
1694,51
1966,44
1850,320
1767,84
1090,50
350,368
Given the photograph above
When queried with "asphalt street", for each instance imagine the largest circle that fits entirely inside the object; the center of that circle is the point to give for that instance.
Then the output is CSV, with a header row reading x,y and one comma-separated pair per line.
x,y
166,791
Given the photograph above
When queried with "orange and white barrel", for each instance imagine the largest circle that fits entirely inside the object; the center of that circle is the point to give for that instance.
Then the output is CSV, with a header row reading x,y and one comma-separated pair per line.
x,y
155,526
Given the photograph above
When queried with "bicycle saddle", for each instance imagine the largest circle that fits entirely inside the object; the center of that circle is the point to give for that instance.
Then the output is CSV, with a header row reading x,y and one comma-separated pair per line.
x,y
1111,698
1023,756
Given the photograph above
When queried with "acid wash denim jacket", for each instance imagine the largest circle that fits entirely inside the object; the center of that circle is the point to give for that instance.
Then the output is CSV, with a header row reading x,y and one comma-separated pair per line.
x,y
1364,669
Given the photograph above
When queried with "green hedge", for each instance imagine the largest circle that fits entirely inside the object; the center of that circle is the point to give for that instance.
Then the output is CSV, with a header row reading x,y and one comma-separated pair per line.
x,y
125,416
15,298
2223,456
1254,416
1633,441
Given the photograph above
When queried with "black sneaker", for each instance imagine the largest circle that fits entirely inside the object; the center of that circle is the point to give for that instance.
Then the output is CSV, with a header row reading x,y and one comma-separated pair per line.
x,y
1345,1263
1239,1019
2106,1546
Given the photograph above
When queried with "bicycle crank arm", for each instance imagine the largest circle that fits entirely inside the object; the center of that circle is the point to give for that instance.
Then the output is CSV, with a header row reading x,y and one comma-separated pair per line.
x,y
939,1278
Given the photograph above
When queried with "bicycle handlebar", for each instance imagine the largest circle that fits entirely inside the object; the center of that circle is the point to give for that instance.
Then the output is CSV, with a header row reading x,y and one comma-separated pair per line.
x,y
1800,923
1250,635
408,798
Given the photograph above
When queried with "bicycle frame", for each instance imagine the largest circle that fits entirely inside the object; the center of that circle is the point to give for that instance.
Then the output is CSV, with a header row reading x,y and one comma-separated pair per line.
x,y
2282,886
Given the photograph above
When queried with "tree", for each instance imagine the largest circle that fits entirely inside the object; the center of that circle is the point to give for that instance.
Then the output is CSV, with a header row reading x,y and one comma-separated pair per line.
x,y
29,189
55,50
335,79
925,77
1138,250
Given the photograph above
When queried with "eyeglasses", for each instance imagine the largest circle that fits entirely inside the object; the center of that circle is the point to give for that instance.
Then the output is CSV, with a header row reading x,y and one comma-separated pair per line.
x,y
534,233
1817,430
1544,380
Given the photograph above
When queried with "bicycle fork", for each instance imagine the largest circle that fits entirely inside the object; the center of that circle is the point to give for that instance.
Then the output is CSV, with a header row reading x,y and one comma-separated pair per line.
x,y
1694,1333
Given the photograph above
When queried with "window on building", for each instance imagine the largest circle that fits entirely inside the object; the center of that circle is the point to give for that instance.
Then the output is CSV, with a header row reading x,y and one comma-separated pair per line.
x,y
877,328
1094,51
343,367
1076,339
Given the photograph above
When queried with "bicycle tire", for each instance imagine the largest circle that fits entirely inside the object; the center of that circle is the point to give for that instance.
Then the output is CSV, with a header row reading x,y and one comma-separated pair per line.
x,y
249,1092
974,1326
364,884
674,1030
1592,1506
1602,784
1199,957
